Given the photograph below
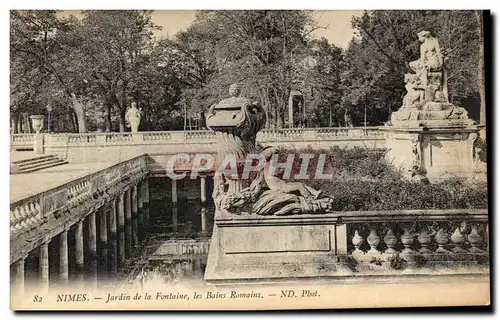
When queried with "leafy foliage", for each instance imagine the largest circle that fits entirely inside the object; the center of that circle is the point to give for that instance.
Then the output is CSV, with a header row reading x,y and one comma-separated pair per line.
x,y
90,67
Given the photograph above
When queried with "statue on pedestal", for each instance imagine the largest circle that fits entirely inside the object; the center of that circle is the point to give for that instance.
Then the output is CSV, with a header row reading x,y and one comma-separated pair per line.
x,y
426,101
133,117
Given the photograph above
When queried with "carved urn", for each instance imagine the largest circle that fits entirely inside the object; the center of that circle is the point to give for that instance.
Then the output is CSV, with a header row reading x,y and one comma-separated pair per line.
x,y
236,121
37,122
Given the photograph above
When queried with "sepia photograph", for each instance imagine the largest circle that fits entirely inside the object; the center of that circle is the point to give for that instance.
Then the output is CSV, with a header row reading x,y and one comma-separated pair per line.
x,y
248,159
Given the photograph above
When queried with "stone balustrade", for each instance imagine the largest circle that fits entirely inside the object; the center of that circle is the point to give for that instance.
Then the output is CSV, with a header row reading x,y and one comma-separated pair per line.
x,y
29,213
113,146
22,141
195,136
99,219
350,245
422,238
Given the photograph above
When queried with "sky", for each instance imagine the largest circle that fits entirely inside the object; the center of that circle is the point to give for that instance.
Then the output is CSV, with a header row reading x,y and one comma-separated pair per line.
x,y
337,23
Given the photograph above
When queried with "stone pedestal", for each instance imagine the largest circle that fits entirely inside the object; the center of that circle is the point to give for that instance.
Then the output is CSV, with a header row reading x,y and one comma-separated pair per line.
x,y
272,248
436,152
38,143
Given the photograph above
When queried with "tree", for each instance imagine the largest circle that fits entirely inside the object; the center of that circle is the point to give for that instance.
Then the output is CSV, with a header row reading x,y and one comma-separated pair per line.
x,y
35,37
114,46
261,50
481,82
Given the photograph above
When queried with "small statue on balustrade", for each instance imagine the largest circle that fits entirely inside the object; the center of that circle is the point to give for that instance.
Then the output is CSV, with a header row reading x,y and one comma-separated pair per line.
x,y
133,117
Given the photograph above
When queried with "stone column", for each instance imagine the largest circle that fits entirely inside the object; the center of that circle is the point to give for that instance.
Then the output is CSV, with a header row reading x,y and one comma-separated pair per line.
x,y
44,266
203,190
19,277
113,255
63,258
103,243
140,209
175,215
92,247
128,224
134,214
203,218
121,228
79,252
174,191
145,204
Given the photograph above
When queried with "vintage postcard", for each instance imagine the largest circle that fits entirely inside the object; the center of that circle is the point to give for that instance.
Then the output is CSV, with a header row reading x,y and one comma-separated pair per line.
x,y
248,160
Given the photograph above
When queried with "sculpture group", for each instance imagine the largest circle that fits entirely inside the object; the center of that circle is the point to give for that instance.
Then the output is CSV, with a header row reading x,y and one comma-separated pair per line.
x,y
426,100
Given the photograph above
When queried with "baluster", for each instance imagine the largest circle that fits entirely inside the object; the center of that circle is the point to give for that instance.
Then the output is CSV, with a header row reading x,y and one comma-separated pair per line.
x,y
40,211
407,240
357,241
13,221
441,239
75,191
78,192
23,216
87,190
71,195
26,209
373,240
32,214
458,239
390,240
475,240
424,240
18,217
82,192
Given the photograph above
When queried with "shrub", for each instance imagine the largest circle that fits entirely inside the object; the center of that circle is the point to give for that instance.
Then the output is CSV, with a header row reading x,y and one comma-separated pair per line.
x,y
483,155
363,180
398,263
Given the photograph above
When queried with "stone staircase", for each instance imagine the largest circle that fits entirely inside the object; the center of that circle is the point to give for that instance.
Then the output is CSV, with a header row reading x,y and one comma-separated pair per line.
x,y
35,164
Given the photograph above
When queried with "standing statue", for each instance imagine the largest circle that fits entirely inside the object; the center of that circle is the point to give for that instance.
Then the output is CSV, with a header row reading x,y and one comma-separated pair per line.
x,y
133,117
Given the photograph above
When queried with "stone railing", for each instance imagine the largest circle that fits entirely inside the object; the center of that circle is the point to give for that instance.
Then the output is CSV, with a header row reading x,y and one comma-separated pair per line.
x,y
22,140
29,213
198,136
377,241
112,146
311,134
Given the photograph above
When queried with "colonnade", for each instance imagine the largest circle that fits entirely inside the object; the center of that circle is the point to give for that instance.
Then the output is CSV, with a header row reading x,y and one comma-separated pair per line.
x,y
203,199
93,248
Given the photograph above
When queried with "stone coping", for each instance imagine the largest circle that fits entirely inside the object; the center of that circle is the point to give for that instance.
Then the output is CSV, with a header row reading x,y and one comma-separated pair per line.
x,y
358,216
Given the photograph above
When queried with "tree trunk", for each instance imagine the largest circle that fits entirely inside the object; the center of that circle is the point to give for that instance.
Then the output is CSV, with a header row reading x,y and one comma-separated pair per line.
x,y
80,114
481,84
123,107
122,120
74,122
15,128
265,105
107,119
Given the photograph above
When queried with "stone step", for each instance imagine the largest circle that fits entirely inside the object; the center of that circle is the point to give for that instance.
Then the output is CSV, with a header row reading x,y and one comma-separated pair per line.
x,y
36,161
36,164
44,165
33,160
